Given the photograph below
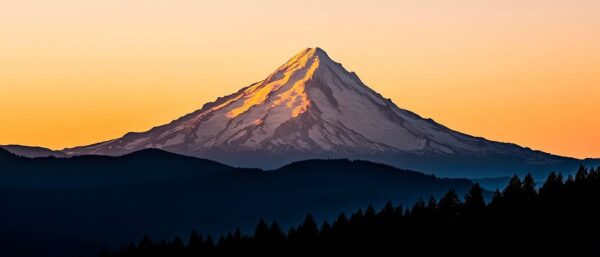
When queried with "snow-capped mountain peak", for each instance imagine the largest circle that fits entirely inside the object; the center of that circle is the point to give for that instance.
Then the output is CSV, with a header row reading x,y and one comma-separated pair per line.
x,y
309,107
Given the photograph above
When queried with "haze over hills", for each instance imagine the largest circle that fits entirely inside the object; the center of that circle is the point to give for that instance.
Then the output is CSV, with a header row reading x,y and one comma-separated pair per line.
x,y
312,107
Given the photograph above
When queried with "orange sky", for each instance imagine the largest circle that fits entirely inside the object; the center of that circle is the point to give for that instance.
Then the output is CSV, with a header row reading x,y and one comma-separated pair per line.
x,y
76,72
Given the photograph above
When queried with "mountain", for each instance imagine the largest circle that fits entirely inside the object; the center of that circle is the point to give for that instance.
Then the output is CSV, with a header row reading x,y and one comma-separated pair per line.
x,y
66,206
312,107
32,151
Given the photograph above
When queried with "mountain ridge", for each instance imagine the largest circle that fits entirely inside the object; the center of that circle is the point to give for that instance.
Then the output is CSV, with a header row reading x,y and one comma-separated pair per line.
x,y
32,151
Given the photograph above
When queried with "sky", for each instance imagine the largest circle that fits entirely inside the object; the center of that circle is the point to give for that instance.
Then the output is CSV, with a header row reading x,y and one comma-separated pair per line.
x,y
77,72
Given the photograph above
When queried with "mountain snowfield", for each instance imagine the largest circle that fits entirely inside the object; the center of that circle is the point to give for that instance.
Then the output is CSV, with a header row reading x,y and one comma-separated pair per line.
x,y
312,107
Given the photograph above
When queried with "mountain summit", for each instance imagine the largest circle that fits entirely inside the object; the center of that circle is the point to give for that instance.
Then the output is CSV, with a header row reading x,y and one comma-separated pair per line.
x,y
312,107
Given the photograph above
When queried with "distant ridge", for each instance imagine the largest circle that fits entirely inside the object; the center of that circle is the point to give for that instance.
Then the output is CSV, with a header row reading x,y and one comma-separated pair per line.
x,y
32,151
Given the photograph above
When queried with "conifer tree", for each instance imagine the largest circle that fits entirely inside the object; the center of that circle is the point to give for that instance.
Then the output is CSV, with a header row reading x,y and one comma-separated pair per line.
x,y
474,201
449,204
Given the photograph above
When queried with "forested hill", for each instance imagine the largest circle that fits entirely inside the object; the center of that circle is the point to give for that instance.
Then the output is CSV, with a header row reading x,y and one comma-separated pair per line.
x,y
80,205
559,219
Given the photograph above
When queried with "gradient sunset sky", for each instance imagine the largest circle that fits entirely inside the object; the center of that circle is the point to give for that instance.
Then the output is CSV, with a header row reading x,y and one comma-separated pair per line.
x,y
76,72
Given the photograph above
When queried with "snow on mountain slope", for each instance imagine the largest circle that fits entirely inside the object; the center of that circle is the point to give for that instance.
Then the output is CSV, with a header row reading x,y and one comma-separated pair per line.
x,y
309,107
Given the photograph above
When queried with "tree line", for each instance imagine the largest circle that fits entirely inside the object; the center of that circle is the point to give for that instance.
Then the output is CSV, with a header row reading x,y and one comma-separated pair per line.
x,y
560,217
